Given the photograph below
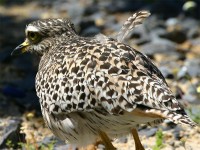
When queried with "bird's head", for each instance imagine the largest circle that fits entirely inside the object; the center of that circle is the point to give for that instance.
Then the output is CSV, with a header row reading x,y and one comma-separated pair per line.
x,y
41,34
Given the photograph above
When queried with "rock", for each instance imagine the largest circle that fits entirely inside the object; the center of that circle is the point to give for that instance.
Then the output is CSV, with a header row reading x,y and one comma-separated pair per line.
x,y
177,143
189,22
172,22
86,23
10,119
175,31
195,47
192,89
192,143
111,26
140,35
167,147
194,112
182,72
148,132
193,33
121,140
101,147
91,9
167,73
175,34
96,19
58,144
184,47
157,32
74,9
159,46
176,132
154,22
191,67
195,41
91,31
9,130
189,98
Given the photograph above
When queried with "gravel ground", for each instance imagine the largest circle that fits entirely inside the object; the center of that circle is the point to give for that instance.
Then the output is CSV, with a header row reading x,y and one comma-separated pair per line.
x,y
170,37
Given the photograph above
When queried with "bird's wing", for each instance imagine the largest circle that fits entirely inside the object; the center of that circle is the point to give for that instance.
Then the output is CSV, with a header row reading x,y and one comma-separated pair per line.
x,y
125,79
130,75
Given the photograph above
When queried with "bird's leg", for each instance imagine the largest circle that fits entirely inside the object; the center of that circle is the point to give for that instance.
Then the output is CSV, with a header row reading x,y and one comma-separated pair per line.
x,y
106,141
138,144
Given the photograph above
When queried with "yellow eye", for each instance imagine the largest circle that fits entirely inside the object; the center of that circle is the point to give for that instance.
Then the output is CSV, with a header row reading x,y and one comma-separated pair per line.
x,y
34,36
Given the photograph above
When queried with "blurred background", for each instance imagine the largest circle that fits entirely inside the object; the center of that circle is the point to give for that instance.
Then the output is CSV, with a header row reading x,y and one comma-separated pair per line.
x,y
170,37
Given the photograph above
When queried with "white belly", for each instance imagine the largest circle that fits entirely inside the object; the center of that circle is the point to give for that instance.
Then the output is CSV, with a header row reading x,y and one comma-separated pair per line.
x,y
81,128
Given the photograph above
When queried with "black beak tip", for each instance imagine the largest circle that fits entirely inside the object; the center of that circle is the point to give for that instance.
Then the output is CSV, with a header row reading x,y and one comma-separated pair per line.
x,y
17,51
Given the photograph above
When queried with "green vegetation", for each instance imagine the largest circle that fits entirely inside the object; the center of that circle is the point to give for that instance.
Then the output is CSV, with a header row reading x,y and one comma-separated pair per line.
x,y
48,146
159,140
9,144
30,146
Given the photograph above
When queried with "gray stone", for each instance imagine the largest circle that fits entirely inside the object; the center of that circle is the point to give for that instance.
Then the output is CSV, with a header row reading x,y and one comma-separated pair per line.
x,y
91,31
9,130
10,119
58,144
178,36
176,132
194,32
157,32
140,35
191,67
187,23
159,46
121,140
167,73
195,41
190,98
148,132
172,22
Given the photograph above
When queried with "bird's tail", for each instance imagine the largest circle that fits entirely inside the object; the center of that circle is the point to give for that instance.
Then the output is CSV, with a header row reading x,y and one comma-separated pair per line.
x,y
133,21
178,117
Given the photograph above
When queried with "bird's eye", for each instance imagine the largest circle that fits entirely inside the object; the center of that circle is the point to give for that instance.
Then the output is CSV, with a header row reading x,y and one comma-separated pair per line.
x,y
34,36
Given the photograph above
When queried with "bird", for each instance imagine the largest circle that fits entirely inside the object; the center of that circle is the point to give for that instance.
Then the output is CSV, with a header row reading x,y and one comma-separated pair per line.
x,y
92,88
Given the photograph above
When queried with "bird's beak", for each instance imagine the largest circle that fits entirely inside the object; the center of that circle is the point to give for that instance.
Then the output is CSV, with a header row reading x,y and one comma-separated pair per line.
x,y
21,48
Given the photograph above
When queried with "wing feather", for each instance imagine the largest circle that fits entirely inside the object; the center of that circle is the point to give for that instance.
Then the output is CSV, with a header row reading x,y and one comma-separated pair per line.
x,y
135,83
131,79
132,22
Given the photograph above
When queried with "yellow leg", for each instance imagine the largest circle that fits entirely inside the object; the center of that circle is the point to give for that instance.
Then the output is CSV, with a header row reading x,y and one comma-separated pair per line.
x,y
106,141
138,144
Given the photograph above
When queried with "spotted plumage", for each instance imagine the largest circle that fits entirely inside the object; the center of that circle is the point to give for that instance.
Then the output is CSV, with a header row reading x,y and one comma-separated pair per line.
x,y
91,86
